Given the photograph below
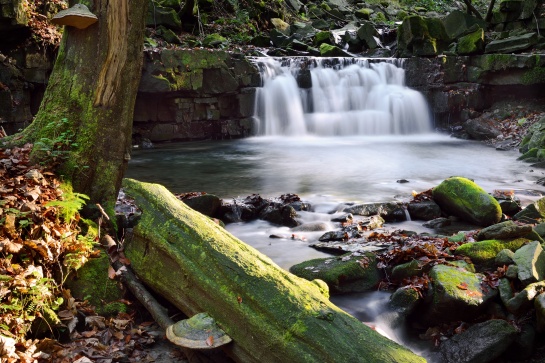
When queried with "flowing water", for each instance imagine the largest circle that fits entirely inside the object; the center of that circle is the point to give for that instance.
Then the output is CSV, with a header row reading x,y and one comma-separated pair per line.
x,y
352,137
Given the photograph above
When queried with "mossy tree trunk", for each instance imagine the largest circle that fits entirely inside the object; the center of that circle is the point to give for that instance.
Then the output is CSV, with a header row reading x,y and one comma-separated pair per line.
x,y
90,97
271,315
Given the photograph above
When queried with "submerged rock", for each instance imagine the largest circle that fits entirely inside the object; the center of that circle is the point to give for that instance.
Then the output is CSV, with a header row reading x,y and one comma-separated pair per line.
x,y
463,198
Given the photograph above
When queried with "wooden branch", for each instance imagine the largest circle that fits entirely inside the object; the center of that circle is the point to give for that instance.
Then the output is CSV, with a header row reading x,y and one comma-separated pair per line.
x,y
489,12
471,9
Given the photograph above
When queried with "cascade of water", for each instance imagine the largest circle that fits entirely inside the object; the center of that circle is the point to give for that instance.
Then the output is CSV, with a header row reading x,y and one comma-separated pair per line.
x,y
348,96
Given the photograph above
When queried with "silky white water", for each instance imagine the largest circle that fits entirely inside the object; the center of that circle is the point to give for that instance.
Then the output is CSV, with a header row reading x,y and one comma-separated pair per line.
x,y
348,97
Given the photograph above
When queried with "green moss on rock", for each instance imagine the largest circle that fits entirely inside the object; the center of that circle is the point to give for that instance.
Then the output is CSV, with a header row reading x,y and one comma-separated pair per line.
x,y
472,43
485,252
465,199
93,284
343,274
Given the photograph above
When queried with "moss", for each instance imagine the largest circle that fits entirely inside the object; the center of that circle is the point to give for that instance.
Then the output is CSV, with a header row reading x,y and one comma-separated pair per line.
x,y
496,62
463,198
93,284
535,75
346,273
458,284
484,252
471,43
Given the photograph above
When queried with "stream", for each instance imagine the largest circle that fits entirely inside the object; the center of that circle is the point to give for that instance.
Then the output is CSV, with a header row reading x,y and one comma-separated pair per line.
x,y
358,135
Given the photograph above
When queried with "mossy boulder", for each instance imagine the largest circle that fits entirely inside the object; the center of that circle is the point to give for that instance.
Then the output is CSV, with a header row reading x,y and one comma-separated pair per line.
x,y
530,260
214,40
408,269
322,37
352,272
91,283
463,198
328,50
472,43
504,230
485,252
158,15
413,38
534,138
455,294
533,213
364,14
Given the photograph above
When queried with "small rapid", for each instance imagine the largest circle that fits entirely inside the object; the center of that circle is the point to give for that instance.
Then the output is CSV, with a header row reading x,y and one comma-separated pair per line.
x,y
337,97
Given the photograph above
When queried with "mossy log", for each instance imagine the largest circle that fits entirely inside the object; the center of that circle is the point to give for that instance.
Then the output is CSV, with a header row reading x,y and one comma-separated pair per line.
x,y
272,315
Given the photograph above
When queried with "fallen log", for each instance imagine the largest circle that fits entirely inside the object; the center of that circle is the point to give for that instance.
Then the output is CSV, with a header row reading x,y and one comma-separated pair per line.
x,y
271,315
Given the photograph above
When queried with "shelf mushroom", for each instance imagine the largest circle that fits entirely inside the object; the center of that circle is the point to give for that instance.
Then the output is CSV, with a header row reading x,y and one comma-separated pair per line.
x,y
78,16
197,332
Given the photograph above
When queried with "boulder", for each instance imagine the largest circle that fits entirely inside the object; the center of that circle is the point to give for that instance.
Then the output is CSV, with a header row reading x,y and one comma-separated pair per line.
x,y
485,252
512,44
327,50
481,129
390,211
404,300
530,260
281,26
472,43
457,23
214,40
425,210
280,215
463,198
352,272
167,17
409,269
481,343
503,230
533,213
413,38
535,137
207,204
522,302
368,35
454,294
504,258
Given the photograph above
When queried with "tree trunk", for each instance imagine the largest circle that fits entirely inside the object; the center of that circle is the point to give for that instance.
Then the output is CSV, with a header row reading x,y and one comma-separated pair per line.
x,y
89,102
272,315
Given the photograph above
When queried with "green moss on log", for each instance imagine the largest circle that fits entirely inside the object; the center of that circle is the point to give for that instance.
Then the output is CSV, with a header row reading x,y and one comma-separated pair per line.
x,y
272,315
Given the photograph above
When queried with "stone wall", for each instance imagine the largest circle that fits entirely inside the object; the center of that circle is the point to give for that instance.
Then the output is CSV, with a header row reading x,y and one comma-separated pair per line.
x,y
196,94
457,85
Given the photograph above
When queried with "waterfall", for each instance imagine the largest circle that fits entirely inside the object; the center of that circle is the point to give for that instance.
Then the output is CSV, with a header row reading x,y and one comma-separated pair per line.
x,y
337,97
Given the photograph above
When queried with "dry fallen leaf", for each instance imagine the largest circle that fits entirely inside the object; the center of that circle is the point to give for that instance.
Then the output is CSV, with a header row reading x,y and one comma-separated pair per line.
x,y
210,341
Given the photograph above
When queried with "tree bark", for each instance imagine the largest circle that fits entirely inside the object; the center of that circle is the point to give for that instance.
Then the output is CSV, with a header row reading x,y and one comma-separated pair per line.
x,y
272,315
93,89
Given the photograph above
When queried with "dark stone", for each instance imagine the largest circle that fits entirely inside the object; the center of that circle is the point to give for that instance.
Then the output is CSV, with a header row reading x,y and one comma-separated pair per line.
x,y
425,210
481,343
391,211
207,204
512,44
481,129
503,230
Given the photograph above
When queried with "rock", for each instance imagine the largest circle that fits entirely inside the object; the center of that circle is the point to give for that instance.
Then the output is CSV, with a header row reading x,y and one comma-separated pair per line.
x,y
409,269
522,302
539,305
158,15
530,260
368,35
302,31
391,211
512,272
457,23
168,35
404,300
345,218
509,205
281,215
214,40
455,294
535,137
437,223
512,44
207,204
505,290
533,213
481,129
413,38
425,211
465,199
352,272
523,346
281,26
527,11
503,230
364,14
481,343
504,258
327,50
472,43
484,252
312,227
322,37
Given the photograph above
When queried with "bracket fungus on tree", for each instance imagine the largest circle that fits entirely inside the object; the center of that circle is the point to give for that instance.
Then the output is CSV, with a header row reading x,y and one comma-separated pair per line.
x,y
78,16
197,332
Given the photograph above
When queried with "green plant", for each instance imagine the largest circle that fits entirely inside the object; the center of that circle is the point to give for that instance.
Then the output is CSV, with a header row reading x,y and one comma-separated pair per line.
x,y
71,203
57,144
